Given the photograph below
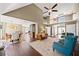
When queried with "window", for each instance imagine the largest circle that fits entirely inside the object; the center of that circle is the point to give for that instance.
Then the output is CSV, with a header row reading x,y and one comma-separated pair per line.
x,y
61,19
65,18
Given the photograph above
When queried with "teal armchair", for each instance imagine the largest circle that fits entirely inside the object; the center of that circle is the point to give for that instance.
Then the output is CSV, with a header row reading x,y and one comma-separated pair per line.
x,y
67,47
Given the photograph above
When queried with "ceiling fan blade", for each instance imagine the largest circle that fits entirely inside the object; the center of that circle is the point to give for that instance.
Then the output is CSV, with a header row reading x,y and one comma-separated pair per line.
x,y
49,13
54,6
45,12
54,10
46,8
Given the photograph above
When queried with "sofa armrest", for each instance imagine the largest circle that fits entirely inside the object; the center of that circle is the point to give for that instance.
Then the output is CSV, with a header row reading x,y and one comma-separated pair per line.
x,y
61,48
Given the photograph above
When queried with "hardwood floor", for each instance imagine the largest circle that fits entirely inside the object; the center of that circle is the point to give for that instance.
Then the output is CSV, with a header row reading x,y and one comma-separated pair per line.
x,y
20,49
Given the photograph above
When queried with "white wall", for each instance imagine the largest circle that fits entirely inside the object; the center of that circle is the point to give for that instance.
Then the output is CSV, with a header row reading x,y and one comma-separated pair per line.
x,y
8,19
55,28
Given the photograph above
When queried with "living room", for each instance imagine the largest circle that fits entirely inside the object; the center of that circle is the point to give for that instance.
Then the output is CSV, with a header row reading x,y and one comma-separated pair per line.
x,y
40,25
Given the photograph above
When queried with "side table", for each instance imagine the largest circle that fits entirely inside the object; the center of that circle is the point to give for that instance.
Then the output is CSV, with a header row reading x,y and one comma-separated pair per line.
x,y
76,50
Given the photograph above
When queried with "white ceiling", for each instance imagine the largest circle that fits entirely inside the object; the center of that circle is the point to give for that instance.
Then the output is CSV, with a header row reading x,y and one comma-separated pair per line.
x,y
48,5
62,8
6,7
42,5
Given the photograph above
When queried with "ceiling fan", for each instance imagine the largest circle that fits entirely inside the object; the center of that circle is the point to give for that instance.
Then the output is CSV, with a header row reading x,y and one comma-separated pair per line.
x,y
49,10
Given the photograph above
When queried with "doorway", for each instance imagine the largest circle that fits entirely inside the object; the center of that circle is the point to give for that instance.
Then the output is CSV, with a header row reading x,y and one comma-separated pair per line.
x,y
25,34
60,30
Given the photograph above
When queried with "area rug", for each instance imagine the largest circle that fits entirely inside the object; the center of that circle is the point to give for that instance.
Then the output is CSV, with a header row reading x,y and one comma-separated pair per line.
x,y
44,47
